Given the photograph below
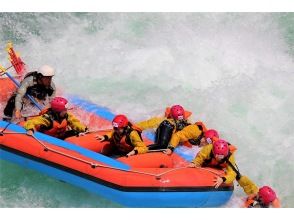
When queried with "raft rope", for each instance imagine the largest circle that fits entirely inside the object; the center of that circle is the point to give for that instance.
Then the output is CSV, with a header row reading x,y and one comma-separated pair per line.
x,y
1,132
94,165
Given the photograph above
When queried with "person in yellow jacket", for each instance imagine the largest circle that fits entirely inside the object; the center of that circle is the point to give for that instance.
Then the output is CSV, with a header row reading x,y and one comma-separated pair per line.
x,y
217,155
125,137
192,133
175,119
55,121
220,154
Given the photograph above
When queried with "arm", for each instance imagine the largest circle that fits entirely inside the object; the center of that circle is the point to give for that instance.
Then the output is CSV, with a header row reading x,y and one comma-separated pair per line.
x,y
203,155
105,137
151,123
75,124
230,173
276,203
35,123
189,132
140,146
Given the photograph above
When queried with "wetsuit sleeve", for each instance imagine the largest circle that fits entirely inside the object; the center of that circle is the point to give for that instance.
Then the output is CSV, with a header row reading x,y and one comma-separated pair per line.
x,y
151,123
230,173
138,143
36,123
204,154
21,91
75,124
189,132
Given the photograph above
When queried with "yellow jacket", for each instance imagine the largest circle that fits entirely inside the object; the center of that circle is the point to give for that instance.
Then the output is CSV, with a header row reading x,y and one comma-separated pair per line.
x,y
130,140
189,132
154,122
42,120
205,154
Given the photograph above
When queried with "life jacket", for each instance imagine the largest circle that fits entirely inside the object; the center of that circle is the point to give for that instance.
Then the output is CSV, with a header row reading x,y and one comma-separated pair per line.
x,y
212,162
254,203
57,128
123,143
38,91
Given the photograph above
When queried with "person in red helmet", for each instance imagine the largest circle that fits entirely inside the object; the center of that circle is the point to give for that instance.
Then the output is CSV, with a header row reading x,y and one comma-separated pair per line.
x,y
217,155
175,119
125,137
194,134
55,121
37,84
210,135
264,198
212,150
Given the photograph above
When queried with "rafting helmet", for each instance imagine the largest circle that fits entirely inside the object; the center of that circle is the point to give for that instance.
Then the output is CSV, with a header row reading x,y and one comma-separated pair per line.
x,y
58,104
210,135
46,70
120,121
177,112
220,147
267,194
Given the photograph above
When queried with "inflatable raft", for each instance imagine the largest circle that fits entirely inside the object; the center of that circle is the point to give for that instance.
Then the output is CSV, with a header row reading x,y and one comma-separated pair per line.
x,y
147,180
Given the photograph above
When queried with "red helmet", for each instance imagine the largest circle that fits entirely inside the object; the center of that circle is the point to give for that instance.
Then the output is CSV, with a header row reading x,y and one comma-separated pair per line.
x,y
120,121
177,112
267,194
210,135
58,104
220,147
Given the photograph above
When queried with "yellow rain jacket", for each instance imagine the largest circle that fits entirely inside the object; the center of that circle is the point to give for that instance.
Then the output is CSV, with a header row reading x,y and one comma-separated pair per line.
x,y
248,185
130,141
154,123
189,132
205,154
41,123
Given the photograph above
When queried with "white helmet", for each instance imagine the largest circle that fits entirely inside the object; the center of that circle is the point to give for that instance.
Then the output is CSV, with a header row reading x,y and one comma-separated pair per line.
x,y
46,70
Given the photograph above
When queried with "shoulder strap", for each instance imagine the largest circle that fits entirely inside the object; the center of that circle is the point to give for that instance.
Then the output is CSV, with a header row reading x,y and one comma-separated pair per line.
x,y
236,170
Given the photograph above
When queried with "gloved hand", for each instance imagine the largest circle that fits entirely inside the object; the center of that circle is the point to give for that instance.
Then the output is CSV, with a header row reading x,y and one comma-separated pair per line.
x,y
193,165
30,132
131,153
100,138
168,151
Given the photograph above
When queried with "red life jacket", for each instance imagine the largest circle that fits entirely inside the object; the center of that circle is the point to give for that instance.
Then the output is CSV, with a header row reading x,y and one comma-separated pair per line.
x,y
55,129
254,203
123,143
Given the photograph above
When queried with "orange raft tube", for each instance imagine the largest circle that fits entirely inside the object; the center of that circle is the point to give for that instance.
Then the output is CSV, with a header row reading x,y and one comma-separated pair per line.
x,y
6,89
147,180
